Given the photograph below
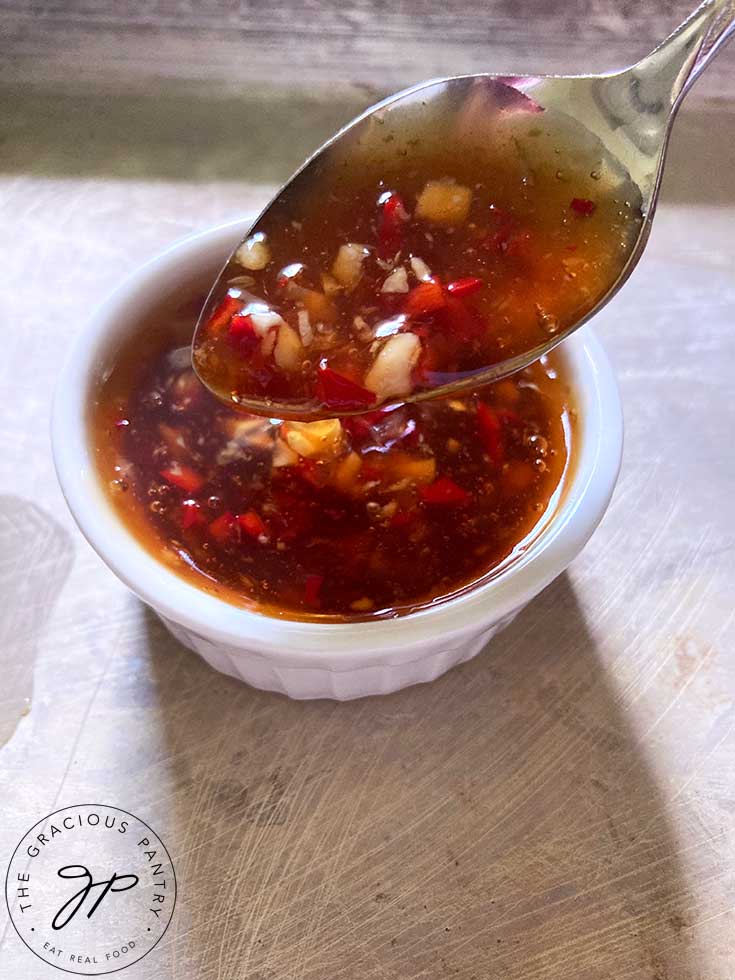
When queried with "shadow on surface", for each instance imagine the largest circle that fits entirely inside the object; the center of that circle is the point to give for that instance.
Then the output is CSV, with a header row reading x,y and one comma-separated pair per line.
x,y
500,822
36,555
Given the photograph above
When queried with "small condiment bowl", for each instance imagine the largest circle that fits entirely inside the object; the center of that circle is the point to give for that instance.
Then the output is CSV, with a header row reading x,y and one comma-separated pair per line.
x,y
312,659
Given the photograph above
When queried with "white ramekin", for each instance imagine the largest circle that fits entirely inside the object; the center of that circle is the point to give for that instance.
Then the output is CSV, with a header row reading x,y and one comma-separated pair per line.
x,y
314,660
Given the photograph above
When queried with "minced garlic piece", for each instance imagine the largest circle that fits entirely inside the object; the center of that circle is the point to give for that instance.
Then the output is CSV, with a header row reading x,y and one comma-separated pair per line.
x,y
420,269
305,331
347,266
362,605
254,253
283,455
444,202
397,282
289,351
263,319
314,440
390,373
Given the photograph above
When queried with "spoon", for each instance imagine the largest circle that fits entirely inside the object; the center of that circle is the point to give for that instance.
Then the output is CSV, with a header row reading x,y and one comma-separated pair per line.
x,y
623,118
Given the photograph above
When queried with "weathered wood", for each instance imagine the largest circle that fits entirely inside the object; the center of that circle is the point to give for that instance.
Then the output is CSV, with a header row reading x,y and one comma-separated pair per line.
x,y
322,45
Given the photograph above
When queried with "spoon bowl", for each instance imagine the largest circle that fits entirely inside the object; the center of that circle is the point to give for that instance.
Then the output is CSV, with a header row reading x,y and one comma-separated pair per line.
x,y
621,119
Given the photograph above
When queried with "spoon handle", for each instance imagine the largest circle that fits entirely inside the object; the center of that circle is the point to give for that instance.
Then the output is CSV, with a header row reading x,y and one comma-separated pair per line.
x,y
671,69
719,29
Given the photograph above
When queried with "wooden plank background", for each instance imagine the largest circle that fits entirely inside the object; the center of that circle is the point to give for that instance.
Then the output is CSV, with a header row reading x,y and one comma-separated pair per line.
x,y
373,46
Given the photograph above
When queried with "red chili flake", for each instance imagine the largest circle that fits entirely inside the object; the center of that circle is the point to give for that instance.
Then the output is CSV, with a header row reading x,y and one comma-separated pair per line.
x,y
463,321
465,287
427,297
222,527
191,515
312,588
334,390
252,523
491,432
582,206
242,327
390,226
184,478
403,518
444,491
223,313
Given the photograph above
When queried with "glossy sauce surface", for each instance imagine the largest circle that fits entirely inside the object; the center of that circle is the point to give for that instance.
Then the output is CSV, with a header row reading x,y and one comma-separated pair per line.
x,y
372,516
419,267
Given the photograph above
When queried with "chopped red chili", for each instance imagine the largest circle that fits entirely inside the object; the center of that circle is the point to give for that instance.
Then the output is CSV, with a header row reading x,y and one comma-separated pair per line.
x,y
462,321
465,287
223,528
444,491
191,515
340,393
252,523
312,588
403,518
242,327
390,227
223,313
184,478
583,206
427,297
491,432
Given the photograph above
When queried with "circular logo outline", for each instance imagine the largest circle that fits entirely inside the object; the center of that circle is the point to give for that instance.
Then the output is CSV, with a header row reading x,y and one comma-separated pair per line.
x,y
43,820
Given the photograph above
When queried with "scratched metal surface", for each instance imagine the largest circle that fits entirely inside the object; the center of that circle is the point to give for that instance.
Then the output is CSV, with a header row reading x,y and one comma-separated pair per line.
x,y
560,807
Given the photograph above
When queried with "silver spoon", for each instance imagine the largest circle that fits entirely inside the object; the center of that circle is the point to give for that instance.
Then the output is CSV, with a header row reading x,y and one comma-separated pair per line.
x,y
626,115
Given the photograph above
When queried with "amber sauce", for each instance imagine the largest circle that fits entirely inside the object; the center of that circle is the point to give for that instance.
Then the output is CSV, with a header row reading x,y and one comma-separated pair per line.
x,y
395,511
543,229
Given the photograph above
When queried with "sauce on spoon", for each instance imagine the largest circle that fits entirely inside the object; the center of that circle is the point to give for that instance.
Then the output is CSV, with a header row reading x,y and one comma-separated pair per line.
x,y
418,268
